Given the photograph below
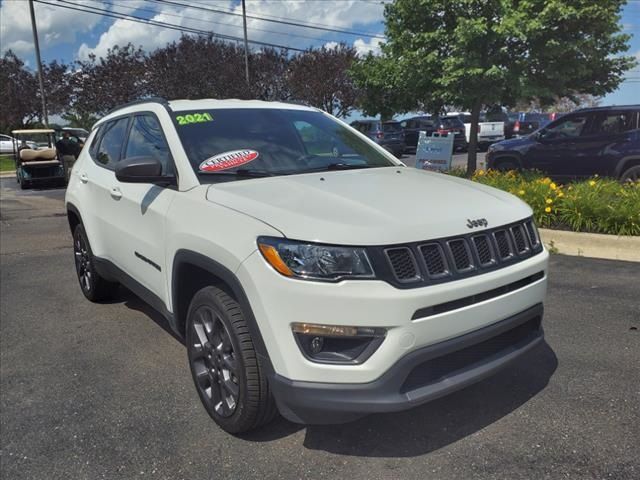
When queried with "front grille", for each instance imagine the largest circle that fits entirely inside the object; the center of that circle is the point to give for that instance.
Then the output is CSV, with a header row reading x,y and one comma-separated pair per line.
x,y
504,244
519,240
434,259
483,249
461,254
403,264
445,259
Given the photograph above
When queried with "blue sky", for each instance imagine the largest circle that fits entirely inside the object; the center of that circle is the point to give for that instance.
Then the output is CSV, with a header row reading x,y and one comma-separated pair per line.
x,y
68,35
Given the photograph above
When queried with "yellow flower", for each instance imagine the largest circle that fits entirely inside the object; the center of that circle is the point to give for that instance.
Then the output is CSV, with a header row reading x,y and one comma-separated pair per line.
x,y
570,187
549,201
480,172
592,183
548,209
521,192
560,194
553,186
546,180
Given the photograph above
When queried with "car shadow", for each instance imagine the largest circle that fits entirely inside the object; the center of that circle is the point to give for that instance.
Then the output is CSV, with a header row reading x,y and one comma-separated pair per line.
x,y
431,426
133,302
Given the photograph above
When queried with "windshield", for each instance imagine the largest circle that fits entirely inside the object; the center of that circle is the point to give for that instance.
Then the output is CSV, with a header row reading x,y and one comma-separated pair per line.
x,y
231,144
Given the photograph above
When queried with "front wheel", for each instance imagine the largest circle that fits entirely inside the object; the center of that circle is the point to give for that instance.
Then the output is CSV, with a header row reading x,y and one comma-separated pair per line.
x,y
228,375
631,174
507,165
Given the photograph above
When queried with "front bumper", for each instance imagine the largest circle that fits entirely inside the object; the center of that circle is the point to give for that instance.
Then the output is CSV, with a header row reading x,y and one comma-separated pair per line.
x,y
416,378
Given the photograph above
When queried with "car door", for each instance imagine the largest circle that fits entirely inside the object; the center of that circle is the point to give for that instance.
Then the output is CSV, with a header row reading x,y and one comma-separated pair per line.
x,y
600,143
6,144
97,179
556,148
138,210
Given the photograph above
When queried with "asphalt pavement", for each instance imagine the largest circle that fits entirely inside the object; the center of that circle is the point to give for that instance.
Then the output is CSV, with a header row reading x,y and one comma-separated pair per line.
x,y
104,391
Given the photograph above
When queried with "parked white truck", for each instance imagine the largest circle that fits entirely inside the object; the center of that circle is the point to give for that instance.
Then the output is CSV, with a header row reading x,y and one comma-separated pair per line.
x,y
488,132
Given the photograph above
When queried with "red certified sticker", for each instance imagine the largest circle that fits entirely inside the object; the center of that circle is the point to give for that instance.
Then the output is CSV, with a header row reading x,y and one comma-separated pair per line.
x,y
226,160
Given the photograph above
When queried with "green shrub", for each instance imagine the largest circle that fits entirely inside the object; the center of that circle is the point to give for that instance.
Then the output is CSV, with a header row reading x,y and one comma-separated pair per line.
x,y
594,205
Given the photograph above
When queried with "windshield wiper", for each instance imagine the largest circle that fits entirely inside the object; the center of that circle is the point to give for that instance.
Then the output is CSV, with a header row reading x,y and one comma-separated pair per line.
x,y
243,172
337,166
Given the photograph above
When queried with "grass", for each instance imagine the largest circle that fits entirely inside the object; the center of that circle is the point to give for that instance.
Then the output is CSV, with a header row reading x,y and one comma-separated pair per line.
x,y
596,205
6,163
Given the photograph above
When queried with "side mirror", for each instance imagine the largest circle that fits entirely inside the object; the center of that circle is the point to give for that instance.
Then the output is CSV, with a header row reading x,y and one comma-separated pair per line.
x,y
142,170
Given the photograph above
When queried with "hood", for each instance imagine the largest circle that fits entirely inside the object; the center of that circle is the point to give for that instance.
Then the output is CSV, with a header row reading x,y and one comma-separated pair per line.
x,y
377,206
511,144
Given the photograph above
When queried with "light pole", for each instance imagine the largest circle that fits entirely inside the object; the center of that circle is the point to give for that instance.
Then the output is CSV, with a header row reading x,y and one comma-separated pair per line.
x,y
246,43
45,115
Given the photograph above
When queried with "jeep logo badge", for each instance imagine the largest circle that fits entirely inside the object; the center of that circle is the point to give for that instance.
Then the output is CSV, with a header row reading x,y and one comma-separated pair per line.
x,y
480,222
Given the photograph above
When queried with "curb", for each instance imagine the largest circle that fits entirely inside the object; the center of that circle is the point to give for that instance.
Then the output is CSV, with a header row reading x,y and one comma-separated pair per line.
x,y
7,174
594,245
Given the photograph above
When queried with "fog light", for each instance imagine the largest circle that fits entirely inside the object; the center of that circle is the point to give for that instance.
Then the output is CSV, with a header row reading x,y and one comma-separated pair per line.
x,y
337,343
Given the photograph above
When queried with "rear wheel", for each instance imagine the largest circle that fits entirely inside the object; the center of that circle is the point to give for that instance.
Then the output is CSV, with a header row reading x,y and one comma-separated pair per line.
x,y
228,375
631,174
93,286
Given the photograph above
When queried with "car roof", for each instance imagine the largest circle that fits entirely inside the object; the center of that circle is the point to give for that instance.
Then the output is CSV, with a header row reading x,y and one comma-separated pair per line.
x,y
33,130
200,104
609,107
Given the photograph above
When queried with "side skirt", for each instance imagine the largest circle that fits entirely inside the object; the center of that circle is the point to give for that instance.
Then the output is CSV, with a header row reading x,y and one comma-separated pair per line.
x,y
111,272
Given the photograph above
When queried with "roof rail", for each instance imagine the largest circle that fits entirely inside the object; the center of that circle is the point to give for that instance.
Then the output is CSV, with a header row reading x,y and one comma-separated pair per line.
x,y
160,100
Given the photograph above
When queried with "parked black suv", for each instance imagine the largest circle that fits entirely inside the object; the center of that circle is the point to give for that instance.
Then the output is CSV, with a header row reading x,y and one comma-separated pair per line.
x,y
603,141
442,125
388,135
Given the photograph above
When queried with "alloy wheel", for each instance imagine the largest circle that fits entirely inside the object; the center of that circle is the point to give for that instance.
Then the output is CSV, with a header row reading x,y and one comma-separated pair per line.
x,y
214,362
83,262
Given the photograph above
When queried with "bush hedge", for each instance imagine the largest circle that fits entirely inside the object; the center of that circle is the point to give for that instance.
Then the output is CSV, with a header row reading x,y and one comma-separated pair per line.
x,y
597,205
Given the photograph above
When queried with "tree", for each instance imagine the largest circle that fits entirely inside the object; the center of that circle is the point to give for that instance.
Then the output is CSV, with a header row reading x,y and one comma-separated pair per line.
x,y
80,120
473,53
320,77
102,84
268,70
18,90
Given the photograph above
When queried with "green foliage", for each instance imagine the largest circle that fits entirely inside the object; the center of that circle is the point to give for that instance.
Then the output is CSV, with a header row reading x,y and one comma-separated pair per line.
x,y
595,205
471,53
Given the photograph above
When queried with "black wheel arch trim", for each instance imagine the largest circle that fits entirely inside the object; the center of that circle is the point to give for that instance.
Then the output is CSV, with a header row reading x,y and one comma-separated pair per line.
x,y
189,257
73,209
498,156
622,165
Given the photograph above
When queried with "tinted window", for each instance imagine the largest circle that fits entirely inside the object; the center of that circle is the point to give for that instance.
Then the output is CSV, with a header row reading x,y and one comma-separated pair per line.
x,y
451,122
391,127
147,140
273,141
108,153
567,128
613,122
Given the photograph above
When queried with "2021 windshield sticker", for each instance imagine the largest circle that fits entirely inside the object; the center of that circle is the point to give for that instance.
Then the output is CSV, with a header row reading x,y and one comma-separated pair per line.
x,y
194,118
226,160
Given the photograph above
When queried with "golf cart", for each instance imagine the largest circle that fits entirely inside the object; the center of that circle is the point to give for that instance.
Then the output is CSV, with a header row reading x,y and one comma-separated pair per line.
x,y
36,165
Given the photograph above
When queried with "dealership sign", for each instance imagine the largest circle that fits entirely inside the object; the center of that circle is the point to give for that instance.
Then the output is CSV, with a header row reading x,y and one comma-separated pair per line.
x,y
434,153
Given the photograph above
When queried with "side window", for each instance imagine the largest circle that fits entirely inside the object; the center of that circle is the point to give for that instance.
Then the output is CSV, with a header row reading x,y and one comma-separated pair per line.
x,y
611,123
108,152
567,128
147,140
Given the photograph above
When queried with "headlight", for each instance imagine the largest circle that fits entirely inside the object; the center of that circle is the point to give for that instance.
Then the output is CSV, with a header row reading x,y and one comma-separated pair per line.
x,y
315,261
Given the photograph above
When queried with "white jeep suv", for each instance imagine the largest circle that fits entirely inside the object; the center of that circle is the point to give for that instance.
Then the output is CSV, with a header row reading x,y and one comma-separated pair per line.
x,y
307,269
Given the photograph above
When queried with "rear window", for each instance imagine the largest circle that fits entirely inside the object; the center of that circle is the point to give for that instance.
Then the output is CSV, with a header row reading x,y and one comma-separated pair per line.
x,y
391,127
451,122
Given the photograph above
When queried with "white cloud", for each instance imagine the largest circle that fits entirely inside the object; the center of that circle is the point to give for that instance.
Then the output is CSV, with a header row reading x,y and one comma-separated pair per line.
x,y
363,47
55,26
341,14
331,45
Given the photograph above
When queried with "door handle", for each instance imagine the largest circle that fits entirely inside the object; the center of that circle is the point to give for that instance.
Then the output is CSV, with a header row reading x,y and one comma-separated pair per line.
x,y
116,194
84,178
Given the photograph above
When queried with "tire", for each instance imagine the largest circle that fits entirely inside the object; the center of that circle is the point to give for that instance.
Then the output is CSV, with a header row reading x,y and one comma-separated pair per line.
x,y
227,373
631,174
506,165
93,286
